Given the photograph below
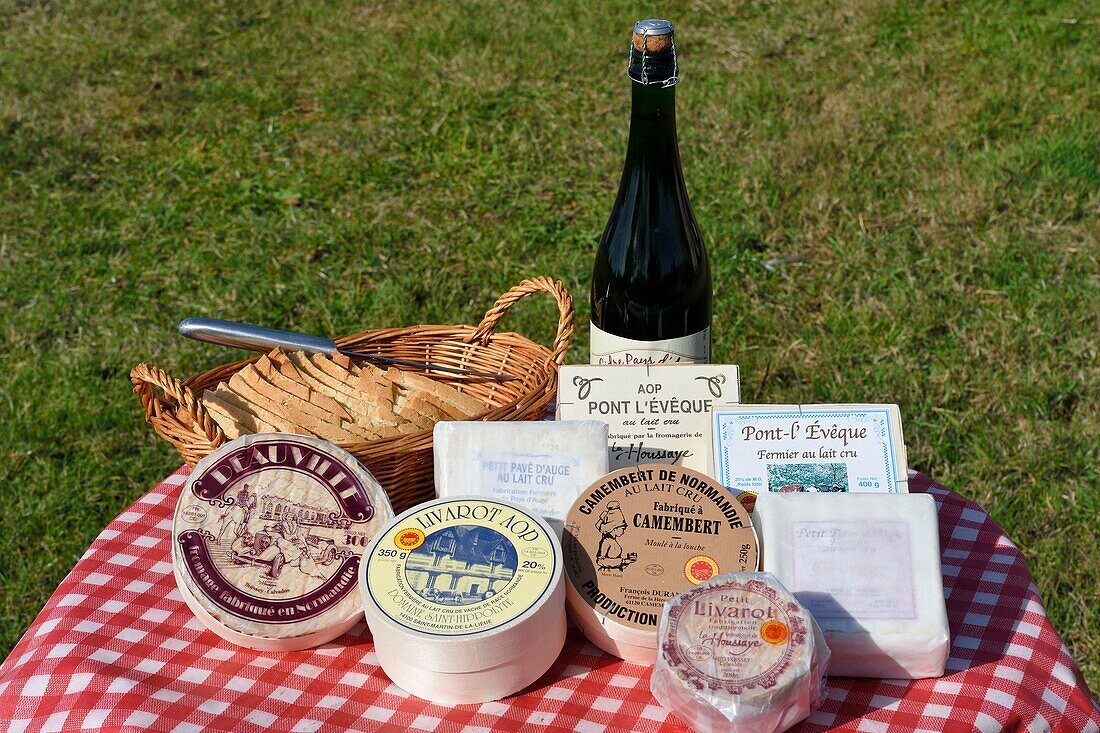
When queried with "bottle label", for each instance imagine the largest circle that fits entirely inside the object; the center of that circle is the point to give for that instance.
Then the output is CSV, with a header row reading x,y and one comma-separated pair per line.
x,y
609,349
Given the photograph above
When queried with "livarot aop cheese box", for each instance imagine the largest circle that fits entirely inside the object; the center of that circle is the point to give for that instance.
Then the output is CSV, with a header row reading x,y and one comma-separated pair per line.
x,y
464,598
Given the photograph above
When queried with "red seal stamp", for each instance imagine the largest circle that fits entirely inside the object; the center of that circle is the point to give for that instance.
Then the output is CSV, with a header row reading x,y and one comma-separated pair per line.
x,y
700,568
409,539
774,632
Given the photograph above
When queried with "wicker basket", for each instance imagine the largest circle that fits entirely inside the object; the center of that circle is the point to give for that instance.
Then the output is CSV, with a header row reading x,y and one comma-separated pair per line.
x,y
402,464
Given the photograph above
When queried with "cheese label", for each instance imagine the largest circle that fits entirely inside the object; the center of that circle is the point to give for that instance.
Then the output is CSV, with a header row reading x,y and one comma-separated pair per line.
x,y
641,535
530,478
269,530
735,635
810,448
462,566
827,552
541,466
658,414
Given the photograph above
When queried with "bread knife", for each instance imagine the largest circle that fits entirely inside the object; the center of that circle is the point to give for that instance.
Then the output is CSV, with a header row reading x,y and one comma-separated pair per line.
x,y
261,338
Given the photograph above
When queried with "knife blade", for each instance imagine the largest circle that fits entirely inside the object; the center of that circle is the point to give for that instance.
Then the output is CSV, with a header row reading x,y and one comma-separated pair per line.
x,y
261,338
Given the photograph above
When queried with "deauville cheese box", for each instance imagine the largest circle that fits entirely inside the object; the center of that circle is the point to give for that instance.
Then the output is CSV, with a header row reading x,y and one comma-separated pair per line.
x,y
267,537
810,448
655,414
465,599
639,536
739,652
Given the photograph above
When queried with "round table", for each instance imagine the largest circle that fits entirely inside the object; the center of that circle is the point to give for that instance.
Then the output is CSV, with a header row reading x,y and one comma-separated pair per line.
x,y
115,648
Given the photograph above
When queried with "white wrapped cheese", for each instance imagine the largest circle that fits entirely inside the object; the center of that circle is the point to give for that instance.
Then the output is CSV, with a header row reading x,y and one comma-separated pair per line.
x,y
542,466
867,566
738,652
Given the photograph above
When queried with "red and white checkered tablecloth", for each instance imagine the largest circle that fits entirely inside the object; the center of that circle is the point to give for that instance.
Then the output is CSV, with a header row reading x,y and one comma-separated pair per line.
x,y
116,649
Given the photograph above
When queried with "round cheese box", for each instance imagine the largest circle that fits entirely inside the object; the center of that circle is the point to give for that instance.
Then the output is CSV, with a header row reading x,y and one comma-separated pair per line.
x,y
267,539
739,652
638,537
465,599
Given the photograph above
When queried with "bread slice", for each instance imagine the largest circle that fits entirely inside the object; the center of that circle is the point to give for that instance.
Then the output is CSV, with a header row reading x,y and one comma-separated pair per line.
x,y
242,410
329,408
377,395
232,421
418,409
371,390
319,379
454,404
344,362
316,419
265,408
334,399
319,393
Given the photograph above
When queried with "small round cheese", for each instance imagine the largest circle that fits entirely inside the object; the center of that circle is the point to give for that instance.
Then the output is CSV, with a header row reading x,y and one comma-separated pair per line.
x,y
466,586
740,651
639,536
267,539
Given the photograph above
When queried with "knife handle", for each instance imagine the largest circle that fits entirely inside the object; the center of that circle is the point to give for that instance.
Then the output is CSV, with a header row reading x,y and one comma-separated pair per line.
x,y
256,338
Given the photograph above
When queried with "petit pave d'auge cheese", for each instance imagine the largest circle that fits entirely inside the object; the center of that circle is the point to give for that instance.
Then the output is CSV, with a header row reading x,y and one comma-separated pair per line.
x,y
267,537
542,466
867,566
738,652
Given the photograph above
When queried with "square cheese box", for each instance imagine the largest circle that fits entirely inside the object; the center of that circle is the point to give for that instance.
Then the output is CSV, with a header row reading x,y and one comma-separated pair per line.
x,y
867,566
810,448
655,414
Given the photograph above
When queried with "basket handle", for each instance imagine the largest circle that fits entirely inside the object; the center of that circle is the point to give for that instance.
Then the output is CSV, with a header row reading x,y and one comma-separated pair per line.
x,y
145,377
519,292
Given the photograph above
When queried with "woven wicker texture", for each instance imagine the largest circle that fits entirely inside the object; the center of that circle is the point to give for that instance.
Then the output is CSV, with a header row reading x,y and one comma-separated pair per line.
x,y
403,465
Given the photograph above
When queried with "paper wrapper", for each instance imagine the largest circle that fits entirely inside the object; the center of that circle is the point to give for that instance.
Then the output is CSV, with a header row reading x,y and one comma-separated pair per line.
x,y
738,651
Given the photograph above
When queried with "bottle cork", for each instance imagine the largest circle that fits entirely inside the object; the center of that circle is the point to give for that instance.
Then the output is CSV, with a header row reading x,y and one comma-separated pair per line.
x,y
652,35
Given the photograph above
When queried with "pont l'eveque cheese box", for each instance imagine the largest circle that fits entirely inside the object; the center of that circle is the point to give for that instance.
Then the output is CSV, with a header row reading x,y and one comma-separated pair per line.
x,y
655,414
810,448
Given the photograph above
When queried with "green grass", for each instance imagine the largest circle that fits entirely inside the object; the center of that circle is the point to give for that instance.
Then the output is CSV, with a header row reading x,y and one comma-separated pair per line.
x,y
928,175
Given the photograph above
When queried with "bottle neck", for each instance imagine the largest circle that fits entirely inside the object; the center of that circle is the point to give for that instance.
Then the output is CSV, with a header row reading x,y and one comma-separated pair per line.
x,y
653,102
652,141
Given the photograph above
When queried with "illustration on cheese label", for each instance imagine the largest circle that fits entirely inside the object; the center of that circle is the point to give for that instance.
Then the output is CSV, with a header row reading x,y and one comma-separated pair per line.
x,y
461,567
281,524
735,636
642,535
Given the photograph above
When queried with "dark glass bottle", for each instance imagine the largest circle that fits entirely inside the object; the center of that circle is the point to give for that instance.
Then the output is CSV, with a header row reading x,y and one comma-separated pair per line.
x,y
651,289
